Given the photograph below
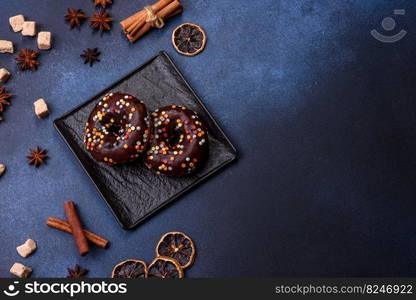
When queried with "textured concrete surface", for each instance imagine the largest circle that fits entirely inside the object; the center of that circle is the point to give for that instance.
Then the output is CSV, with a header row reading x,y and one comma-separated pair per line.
x,y
322,113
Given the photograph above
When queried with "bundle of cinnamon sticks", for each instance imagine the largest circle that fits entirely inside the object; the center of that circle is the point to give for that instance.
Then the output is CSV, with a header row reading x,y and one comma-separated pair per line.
x,y
154,15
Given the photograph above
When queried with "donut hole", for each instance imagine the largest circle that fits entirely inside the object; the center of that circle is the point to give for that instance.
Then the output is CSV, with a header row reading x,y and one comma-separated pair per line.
x,y
113,124
115,129
173,139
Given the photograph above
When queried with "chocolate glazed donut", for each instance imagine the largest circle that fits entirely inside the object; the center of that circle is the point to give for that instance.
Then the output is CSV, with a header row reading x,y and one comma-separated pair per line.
x,y
178,143
117,130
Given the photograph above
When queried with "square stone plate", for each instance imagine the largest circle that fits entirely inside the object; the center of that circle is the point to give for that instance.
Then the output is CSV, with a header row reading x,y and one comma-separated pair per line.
x,y
132,192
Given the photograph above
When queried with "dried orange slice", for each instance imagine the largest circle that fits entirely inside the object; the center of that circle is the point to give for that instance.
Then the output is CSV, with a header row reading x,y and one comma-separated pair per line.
x,y
130,268
189,39
177,245
164,267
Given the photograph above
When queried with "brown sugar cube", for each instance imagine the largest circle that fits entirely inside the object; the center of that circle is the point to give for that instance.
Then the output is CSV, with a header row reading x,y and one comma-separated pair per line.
x,y
29,28
41,108
44,40
20,270
27,248
2,169
6,46
4,75
17,22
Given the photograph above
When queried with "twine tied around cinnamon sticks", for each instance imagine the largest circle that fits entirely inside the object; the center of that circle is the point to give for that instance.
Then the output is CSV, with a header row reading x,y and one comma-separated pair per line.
x,y
153,19
154,15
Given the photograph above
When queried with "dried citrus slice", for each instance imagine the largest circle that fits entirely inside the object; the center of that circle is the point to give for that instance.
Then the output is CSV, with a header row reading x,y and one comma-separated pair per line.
x,y
164,267
177,245
189,39
130,268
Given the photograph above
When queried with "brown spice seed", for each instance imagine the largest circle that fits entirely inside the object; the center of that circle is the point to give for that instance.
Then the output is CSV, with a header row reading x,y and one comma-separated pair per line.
x,y
75,17
37,157
3,100
103,3
77,272
91,56
101,21
27,59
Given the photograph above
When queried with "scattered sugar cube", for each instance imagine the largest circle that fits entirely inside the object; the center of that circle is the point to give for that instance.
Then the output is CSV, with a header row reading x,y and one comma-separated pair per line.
x,y
44,40
2,169
17,22
20,270
41,108
6,46
27,248
4,75
29,28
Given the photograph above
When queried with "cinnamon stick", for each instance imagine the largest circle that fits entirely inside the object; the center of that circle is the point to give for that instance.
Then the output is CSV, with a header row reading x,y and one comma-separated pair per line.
x,y
126,23
136,26
172,9
142,17
75,223
139,18
64,226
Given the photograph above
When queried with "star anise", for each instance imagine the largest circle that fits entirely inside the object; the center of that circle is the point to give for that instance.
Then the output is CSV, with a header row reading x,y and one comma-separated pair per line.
x,y
3,100
37,157
77,272
75,17
102,2
101,21
28,59
91,56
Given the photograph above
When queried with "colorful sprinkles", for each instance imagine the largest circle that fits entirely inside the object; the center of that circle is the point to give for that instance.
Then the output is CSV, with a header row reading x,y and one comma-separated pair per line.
x,y
178,141
117,130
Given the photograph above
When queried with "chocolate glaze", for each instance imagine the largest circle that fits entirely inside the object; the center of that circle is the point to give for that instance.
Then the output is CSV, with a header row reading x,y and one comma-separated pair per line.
x,y
178,143
117,130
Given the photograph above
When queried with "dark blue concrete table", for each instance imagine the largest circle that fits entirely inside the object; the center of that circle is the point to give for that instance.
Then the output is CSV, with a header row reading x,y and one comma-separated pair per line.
x,y
323,114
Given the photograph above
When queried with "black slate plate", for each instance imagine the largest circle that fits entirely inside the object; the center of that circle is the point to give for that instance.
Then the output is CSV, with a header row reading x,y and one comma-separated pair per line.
x,y
133,192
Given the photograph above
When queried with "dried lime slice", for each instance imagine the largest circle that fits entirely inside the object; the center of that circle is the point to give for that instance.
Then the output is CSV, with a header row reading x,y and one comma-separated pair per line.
x,y
130,268
164,267
177,245
189,39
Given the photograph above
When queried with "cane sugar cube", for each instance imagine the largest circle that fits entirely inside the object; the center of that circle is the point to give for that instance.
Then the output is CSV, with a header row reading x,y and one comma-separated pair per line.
x,y
27,248
6,46
29,28
17,22
2,169
4,75
41,108
44,40
20,270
